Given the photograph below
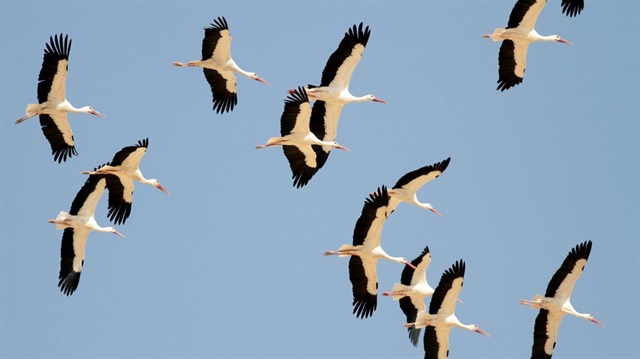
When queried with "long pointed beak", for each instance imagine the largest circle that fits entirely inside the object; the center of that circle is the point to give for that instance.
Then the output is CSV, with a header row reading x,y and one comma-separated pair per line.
x,y
119,234
262,80
596,321
410,265
160,187
94,112
434,211
478,330
459,300
343,148
565,41
380,100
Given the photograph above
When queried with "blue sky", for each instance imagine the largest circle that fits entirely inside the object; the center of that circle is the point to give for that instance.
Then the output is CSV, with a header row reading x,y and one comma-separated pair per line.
x,y
230,263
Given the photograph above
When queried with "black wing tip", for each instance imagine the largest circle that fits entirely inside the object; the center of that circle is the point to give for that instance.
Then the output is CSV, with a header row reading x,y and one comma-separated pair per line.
x,y
456,271
298,96
572,8
58,45
143,143
359,34
61,155
69,283
442,165
218,24
380,197
425,251
417,261
582,250
364,307
414,335
225,103
508,82
119,213
302,179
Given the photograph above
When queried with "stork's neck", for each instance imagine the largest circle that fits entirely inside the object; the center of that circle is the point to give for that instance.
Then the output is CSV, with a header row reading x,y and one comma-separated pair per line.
x,y
103,229
151,181
535,37
381,253
350,98
232,64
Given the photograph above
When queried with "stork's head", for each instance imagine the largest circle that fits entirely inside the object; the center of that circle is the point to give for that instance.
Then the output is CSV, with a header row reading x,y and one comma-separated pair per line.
x,y
157,185
559,39
255,76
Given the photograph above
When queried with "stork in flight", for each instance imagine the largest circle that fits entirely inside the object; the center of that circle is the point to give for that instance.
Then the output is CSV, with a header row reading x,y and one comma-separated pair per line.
x,y
77,224
412,290
441,317
218,66
333,92
120,174
297,140
556,302
512,59
52,102
405,190
366,251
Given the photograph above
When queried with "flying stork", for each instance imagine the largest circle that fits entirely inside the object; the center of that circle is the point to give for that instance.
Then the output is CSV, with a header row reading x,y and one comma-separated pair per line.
x,y
297,139
77,224
441,317
412,290
366,251
120,174
333,92
218,66
52,102
512,59
556,302
407,186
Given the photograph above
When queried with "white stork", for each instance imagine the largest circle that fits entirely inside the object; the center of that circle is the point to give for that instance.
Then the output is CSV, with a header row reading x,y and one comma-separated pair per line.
x,y
218,66
556,302
120,174
366,251
407,186
297,139
53,105
333,92
77,224
441,317
512,59
412,290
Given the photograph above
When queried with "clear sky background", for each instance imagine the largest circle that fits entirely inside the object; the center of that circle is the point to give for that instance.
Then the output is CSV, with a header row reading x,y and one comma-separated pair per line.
x,y
230,263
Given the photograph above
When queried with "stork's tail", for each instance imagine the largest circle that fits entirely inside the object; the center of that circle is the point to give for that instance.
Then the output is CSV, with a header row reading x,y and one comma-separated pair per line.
x,y
32,108
397,287
497,34
344,249
61,219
